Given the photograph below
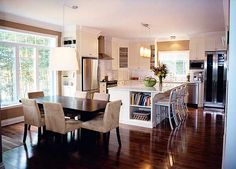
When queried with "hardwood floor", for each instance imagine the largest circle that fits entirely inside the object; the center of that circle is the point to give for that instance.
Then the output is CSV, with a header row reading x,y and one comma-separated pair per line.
x,y
196,144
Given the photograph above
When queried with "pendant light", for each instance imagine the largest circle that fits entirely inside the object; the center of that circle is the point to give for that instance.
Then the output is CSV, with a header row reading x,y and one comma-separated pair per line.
x,y
64,58
144,51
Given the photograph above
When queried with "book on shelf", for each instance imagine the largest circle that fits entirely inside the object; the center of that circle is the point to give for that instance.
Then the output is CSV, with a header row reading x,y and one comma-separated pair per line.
x,y
141,99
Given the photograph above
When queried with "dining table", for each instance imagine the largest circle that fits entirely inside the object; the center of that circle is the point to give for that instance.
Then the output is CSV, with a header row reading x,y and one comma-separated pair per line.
x,y
86,109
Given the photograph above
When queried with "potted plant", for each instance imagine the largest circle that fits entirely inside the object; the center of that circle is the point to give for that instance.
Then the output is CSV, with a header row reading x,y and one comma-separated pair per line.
x,y
160,71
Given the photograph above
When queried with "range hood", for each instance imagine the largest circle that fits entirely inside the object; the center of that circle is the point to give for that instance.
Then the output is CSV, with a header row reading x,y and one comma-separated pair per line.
x,y
101,49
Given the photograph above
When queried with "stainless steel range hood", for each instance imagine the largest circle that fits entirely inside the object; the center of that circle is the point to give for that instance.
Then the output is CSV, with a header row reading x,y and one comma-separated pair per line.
x,y
101,49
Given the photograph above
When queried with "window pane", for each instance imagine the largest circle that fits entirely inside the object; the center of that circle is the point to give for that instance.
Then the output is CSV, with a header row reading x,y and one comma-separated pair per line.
x,y
27,70
39,40
2,36
20,38
9,37
7,75
45,77
176,62
180,68
31,39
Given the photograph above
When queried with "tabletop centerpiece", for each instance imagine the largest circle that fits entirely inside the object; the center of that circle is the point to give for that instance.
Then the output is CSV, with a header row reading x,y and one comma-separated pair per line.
x,y
150,81
160,71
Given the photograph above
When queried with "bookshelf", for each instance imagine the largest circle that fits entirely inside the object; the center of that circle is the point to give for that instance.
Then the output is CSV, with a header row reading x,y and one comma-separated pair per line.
x,y
140,106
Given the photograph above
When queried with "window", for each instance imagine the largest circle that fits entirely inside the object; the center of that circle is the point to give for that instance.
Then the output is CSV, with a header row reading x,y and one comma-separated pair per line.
x,y
24,62
177,63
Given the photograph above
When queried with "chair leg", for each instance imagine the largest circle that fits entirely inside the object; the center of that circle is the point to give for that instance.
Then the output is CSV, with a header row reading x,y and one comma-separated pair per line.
x,y
39,134
29,127
25,133
106,137
169,117
118,135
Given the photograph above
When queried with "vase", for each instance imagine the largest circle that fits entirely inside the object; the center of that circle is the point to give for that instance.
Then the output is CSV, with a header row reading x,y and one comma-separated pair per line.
x,y
160,79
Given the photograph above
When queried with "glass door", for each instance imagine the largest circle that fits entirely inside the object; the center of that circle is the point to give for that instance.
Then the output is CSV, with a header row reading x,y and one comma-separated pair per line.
x,y
209,83
220,77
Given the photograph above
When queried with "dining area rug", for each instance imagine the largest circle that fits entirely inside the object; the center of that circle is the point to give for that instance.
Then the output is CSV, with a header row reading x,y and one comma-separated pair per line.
x,y
9,143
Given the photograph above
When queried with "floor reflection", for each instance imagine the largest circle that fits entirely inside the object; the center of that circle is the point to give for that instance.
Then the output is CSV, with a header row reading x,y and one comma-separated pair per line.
x,y
196,143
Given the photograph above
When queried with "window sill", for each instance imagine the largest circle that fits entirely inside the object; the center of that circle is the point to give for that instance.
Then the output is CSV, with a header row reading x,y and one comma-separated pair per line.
x,y
11,106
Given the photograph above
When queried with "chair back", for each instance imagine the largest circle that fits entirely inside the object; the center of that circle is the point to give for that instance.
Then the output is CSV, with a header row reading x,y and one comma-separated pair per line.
x,y
173,96
101,96
31,111
33,95
112,115
81,94
54,117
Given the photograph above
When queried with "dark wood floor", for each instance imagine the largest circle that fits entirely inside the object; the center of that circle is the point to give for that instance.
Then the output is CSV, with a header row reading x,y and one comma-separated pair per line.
x,y
197,144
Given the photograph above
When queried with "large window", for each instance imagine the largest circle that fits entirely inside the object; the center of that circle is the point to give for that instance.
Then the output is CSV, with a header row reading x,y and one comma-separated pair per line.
x,y
24,62
177,63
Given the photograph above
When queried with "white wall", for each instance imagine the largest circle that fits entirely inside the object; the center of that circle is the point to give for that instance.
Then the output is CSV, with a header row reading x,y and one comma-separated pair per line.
x,y
27,21
229,155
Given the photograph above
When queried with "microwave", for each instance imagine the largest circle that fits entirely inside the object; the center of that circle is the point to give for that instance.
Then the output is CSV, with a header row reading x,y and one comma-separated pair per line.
x,y
196,64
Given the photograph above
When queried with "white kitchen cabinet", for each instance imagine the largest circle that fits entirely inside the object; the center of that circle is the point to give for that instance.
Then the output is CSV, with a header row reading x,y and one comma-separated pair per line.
x,y
206,42
197,49
215,41
88,44
116,45
114,55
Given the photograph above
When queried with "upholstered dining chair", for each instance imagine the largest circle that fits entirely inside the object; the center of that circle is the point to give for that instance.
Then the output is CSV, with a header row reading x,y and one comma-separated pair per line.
x,y
33,95
81,94
109,121
32,116
55,119
101,96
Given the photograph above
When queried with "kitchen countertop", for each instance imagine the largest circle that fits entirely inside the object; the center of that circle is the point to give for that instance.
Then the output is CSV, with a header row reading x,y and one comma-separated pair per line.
x,y
139,87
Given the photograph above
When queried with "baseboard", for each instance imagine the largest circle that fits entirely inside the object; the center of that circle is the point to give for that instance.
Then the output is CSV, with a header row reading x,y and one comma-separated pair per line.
x,y
12,120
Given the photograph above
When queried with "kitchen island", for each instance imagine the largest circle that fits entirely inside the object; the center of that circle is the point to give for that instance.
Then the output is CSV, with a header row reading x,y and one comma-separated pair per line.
x,y
138,102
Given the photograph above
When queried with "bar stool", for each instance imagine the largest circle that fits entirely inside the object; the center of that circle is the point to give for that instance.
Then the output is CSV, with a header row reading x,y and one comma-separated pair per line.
x,y
169,104
185,93
179,102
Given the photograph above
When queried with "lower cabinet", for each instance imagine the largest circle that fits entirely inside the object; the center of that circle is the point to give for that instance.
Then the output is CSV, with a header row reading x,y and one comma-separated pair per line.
x,y
137,108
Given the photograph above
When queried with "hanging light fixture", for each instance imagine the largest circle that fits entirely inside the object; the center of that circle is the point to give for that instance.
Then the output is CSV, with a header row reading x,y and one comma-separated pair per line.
x,y
145,52
64,58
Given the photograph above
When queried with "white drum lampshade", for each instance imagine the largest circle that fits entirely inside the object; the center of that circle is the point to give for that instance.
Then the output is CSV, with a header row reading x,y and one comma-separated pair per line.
x,y
63,59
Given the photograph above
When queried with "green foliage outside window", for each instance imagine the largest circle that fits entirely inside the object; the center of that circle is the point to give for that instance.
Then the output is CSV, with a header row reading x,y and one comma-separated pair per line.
x,y
21,56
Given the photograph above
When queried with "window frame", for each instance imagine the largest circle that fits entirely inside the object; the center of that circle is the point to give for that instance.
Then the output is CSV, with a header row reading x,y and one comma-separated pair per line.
x,y
186,53
17,47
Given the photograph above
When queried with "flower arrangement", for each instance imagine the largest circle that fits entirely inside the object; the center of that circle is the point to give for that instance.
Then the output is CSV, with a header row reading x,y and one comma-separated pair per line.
x,y
161,71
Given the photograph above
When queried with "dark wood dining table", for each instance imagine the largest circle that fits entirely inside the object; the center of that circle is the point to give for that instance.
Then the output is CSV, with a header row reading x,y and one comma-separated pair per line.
x,y
85,108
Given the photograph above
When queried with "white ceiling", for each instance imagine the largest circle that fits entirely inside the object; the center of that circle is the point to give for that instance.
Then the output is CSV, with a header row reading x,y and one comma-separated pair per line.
x,y
122,18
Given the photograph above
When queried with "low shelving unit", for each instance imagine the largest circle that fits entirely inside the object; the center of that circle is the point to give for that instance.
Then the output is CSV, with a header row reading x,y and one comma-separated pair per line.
x,y
140,108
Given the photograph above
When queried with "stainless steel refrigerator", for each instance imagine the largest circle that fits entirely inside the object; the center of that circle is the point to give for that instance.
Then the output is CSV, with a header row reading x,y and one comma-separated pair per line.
x,y
215,79
90,74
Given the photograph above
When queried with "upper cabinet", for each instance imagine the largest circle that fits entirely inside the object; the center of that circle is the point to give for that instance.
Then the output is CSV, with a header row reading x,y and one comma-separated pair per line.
x,y
120,53
206,42
88,44
196,46
215,41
